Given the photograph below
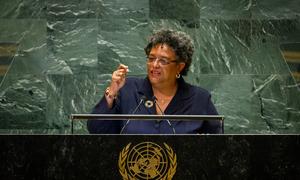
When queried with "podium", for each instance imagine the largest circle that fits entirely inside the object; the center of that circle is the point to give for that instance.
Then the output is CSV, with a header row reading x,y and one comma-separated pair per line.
x,y
145,117
149,156
104,156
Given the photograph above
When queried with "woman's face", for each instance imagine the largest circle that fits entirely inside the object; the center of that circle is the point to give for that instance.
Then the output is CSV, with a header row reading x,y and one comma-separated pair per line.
x,y
162,65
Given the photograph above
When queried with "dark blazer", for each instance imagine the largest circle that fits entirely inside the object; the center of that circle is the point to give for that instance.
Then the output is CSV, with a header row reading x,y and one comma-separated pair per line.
x,y
188,100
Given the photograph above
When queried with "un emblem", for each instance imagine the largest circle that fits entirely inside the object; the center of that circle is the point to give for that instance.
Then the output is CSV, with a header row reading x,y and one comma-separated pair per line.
x,y
147,160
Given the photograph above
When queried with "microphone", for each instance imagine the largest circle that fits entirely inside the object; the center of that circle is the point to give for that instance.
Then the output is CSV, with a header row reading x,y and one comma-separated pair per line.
x,y
169,123
143,98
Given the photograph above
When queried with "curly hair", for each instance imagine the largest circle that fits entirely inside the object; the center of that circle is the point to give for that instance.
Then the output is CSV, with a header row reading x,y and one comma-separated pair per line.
x,y
179,41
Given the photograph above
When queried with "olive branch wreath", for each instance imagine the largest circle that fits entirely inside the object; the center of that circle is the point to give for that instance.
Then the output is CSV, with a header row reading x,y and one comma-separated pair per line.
x,y
173,162
123,156
122,162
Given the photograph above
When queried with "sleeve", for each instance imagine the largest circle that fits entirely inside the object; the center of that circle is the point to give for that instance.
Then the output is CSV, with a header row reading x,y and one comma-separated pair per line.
x,y
105,126
214,126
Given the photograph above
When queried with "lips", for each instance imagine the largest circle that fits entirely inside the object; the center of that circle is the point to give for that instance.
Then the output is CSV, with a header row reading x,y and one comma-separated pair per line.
x,y
155,73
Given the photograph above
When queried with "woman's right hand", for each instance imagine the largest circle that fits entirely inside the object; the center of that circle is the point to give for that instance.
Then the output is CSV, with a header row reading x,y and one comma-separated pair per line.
x,y
118,79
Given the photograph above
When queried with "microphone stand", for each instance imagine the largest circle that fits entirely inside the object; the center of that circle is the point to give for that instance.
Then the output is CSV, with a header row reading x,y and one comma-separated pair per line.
x,y
133,112
171,126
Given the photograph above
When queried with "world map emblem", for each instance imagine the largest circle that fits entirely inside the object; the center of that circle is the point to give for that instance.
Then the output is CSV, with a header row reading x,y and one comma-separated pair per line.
x,y
147,160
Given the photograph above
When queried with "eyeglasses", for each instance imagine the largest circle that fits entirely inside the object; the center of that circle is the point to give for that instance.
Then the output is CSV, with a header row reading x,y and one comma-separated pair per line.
x,y
160,61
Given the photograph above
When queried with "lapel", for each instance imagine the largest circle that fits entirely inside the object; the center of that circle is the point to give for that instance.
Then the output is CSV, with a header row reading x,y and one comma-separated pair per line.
x,y
177,102
145,89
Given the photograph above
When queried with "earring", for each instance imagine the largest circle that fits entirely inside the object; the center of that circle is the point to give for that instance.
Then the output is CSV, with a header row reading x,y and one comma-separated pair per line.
x,y
178,76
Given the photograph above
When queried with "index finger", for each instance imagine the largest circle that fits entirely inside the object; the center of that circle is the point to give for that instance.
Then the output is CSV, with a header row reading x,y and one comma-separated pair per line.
x,y
122,66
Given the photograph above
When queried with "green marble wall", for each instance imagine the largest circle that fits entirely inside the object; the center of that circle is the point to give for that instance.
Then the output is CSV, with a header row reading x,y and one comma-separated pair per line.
x,y
66,51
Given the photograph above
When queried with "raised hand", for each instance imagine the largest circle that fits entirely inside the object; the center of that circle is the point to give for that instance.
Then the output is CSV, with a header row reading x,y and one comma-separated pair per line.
x,y
118,79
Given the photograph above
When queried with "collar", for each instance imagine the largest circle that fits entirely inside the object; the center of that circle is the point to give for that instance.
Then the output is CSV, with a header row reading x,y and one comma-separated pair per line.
x,y
182,93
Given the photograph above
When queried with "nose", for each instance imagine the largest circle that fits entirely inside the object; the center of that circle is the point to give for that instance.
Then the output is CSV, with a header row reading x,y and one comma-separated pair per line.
x,y
156,62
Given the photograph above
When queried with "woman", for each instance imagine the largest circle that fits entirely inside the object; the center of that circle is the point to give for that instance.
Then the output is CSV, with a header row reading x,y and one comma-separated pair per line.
x,y
169,55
